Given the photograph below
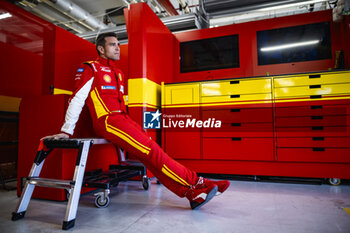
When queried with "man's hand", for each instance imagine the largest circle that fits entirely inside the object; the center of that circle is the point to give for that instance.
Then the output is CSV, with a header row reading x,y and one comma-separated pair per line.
x,y
56,136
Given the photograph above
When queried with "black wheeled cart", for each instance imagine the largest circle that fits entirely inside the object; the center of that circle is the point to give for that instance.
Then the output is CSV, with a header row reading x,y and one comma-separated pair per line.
x,y
111,178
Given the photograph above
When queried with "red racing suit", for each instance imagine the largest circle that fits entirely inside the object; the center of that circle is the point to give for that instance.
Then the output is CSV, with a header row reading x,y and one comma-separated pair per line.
x,y
100,85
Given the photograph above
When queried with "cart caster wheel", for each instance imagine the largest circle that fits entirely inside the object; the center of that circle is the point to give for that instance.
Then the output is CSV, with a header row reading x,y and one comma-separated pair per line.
x,y
101,202
334,181
146,183
158,182
67,194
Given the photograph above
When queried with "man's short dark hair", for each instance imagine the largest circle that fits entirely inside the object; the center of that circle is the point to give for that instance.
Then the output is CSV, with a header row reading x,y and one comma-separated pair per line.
x,y
100,41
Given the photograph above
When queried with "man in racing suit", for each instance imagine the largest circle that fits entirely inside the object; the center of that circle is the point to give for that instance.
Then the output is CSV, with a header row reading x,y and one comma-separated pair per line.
x,y
100,85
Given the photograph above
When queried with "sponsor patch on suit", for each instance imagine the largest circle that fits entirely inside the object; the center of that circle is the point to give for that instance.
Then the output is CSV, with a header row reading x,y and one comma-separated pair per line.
x,y
108,88
105,69
107,78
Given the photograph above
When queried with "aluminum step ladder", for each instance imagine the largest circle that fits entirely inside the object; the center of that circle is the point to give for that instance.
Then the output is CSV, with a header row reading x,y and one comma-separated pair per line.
x,y
73,186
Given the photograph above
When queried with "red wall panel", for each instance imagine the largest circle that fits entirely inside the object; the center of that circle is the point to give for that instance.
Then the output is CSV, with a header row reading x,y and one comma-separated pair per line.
x,y
21,71
245,53
296,67
150,45
70,51
22,40
248,47
33,126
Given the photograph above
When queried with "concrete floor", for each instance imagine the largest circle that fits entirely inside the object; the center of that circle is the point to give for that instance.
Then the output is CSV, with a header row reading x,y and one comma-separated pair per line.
x,y
247,206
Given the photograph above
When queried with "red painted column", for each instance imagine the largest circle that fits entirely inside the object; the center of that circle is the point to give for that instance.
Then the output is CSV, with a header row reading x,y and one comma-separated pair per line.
x,y
150,54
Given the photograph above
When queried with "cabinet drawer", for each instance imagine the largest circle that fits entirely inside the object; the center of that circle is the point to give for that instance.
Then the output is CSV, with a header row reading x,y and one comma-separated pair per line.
x,y
316,131
237,99
338,142
238,148
340,100
313,110
312,90
239,115
180,94
181,145
317,154
233,87
235,129
312,79
313,121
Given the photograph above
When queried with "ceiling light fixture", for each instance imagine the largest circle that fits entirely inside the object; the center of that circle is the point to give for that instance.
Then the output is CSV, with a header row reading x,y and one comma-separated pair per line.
x,y
5,15
287,46
291,5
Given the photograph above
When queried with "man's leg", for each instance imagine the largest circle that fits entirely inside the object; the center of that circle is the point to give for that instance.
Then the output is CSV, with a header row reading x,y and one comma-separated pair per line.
x,y
125,133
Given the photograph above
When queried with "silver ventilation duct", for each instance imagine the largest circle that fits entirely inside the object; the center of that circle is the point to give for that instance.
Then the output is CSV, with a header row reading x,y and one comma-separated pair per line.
x,y
119,30
55,16
220,8
64,13
181,22
211,10
78,13
174,23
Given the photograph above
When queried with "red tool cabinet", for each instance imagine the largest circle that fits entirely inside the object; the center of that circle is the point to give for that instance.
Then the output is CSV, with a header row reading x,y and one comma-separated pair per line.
x,y
316,127
289,125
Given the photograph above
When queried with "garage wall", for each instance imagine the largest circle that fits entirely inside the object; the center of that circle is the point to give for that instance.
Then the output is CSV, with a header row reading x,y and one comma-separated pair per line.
x,y
248,47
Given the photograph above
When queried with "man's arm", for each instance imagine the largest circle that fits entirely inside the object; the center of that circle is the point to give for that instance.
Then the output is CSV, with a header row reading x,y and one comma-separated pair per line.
x,y
83,82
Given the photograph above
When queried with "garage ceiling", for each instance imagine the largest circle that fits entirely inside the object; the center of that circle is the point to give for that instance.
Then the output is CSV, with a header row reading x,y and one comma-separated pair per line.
x,y
86,18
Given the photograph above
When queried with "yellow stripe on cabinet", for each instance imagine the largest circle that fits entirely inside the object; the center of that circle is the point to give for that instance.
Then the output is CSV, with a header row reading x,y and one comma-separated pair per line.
x,y
143,92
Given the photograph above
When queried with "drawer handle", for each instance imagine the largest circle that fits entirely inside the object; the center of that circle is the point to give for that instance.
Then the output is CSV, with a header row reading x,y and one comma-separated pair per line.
x,y
315,76
234,82
318,149
314,86
235,96
316,107
316,117
236,139
315,96
235,124
235,110
318,138
317,127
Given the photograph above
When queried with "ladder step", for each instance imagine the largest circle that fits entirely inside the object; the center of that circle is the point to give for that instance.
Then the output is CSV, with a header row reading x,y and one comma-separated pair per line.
x,y
62,143
52,183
